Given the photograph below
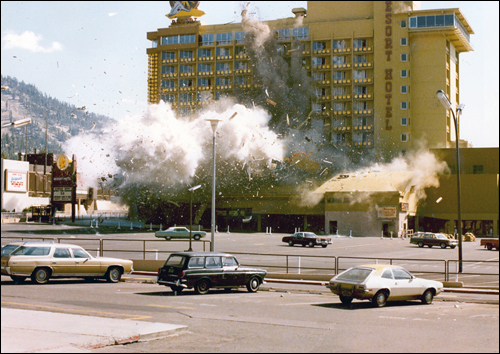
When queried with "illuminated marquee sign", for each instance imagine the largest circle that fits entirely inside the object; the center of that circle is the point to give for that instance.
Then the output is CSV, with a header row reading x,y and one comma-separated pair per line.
x,y
388,72
16,181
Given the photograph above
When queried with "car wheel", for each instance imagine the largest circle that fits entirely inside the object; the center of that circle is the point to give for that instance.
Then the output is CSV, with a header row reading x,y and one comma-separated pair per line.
x,y
311,244
428,296
17,280
196,237
304,245
452,247
202,286
420,244
346,300
430,246
113,275
167,238
290,243
176,289
40,276
443,245
380,299
253,284
489,246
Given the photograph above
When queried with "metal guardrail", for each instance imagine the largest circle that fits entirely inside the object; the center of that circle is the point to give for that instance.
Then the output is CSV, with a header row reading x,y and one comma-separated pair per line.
x,y
292,263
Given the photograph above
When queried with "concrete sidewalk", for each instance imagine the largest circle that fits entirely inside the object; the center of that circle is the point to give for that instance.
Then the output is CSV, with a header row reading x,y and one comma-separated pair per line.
x,y
48,332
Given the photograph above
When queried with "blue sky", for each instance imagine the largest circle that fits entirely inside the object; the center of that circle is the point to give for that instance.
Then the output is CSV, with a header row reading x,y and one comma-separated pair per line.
x,y
93,54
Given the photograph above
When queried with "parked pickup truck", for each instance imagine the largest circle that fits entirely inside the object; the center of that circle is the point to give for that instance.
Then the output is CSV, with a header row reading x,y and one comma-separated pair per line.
x,y
490,243
307,239
431,239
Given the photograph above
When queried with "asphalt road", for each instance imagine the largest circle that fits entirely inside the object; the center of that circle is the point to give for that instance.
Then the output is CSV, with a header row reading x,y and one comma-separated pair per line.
x,y
267,251
269,320
278,318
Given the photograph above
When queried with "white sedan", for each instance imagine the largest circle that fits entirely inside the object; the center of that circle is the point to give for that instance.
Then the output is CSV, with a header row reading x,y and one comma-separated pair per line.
x,y
179,232
382,283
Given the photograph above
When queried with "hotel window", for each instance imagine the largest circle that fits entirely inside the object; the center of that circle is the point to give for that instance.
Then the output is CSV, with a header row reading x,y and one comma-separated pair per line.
x,y
360,90
240,51
318,45
221,81
207,39
185,83
239,37
404,89
478,169
359,43
360,59
359,74
405,138
318,61
300,33
338,59
167,84
187,38
204,67
203,96
168,98
240,65
222,66
224,38
404,105
167,55
282,34
404,41
339,90
404,73
184,54
339,75
404,121
223,51
338,44
168,69
319,77
186,69
186,97
154,43
202,82
169,40
204,53
404,57
403,24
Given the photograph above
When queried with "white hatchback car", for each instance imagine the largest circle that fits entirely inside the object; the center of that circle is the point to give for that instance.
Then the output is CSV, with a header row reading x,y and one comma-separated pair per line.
x,y
382,283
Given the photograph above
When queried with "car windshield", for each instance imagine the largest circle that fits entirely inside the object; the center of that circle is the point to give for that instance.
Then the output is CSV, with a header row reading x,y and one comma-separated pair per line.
x,y
31,251
355,274
8,249
175,261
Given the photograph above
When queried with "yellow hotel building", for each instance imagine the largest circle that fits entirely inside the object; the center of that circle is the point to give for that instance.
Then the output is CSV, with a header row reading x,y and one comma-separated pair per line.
x,y
376,65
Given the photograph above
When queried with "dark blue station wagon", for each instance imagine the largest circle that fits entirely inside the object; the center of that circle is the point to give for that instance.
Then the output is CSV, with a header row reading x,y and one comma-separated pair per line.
x,y
205,270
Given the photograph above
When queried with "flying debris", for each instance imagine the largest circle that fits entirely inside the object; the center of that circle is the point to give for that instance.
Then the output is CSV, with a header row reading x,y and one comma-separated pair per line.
x,y
112,14
270,102
93,126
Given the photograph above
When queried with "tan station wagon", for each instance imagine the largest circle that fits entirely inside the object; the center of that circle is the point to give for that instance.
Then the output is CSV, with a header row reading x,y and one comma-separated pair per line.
x,y
41,261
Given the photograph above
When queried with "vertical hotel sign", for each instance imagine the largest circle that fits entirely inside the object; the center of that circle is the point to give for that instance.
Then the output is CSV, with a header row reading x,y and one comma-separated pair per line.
x,y
388,72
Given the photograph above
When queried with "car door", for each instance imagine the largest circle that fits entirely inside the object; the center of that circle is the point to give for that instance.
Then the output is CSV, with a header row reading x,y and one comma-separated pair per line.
x,y
406,287
62,263
230,273
85,264
213,268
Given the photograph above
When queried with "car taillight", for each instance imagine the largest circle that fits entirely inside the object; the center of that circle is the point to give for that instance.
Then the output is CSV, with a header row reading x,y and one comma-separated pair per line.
x,y
181,275
159,271
360,287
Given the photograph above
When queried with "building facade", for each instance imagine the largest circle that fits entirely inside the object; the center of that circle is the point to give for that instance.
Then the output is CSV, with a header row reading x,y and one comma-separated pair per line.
x,y
375,68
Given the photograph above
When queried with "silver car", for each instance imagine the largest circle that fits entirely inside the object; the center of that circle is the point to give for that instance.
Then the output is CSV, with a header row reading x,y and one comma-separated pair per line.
x,y
382,283
179,232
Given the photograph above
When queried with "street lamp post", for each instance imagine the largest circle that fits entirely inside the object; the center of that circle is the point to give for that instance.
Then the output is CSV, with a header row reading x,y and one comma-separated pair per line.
x,y
18,124
443,98
213,122
191,190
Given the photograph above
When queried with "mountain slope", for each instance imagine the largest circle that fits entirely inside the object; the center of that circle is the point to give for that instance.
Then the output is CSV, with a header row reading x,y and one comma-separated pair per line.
x,y
20,100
